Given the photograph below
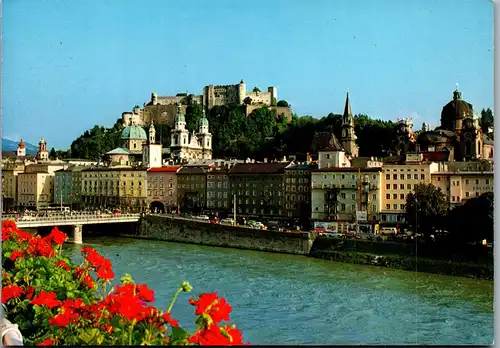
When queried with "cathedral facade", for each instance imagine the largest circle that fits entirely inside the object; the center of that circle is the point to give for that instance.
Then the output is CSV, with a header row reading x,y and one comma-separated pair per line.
x,y
185,147
458,138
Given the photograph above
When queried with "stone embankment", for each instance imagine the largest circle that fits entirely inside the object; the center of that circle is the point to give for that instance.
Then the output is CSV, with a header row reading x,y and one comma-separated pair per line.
x,y
381,254
399,256
204,233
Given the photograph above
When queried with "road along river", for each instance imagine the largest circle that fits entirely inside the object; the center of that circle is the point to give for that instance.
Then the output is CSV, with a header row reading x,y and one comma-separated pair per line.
x,y
287,299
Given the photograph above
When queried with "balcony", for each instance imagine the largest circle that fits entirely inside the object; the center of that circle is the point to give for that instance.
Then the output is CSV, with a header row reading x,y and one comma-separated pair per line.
x,y
325,186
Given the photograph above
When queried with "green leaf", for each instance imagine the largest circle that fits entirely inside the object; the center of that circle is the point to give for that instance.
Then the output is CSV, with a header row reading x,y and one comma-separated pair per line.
x,y
88,336
178,333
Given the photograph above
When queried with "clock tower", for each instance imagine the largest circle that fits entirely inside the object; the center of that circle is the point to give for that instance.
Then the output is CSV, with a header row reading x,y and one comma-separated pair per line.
x,y
348,137
470,139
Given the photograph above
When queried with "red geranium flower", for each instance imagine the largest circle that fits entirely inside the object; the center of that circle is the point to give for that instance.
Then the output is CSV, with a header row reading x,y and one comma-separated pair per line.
x,y
145,293
63,265
46,299
168,319
16,254
29,292
47,342
217,308
210,337
105,273
57,236
59,320
11,291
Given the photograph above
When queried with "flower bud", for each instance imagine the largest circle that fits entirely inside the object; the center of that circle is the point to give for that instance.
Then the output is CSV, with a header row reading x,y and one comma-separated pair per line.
x,y
186,287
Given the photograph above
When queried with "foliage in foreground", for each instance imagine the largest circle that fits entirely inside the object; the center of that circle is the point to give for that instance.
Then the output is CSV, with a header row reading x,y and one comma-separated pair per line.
x,y
57,303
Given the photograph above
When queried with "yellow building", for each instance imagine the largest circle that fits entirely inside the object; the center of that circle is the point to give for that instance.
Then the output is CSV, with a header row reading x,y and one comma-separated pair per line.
x,y
35,186
120,187
398,180
35,189
9,188
460,186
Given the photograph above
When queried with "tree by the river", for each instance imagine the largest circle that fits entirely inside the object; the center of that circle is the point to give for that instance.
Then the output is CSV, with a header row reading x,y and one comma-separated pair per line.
x,y
426,209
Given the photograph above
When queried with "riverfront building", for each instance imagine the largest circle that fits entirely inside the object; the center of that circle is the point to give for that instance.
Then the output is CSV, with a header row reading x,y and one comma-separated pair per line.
x,y
162,188
218,190
123,187
191,188
258,189
298,192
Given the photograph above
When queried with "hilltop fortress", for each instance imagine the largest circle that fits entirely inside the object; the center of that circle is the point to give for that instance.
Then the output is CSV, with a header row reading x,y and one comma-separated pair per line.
x,y
163,109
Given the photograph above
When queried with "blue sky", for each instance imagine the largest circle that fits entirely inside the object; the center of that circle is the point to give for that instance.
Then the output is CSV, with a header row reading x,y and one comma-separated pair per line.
x,y
68,65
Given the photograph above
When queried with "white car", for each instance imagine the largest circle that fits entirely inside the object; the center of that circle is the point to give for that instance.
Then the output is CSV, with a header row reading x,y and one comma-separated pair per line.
x,y
227,221
203,217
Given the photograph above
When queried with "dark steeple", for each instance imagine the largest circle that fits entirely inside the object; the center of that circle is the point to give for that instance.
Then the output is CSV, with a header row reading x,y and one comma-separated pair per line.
x,y
347,109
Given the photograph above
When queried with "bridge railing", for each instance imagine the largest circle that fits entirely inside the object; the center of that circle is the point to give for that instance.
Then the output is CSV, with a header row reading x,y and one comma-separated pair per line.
x,y
72,217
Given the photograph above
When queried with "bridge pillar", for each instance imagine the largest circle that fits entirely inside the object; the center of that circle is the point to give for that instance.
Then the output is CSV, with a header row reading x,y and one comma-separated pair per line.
x,y
77,234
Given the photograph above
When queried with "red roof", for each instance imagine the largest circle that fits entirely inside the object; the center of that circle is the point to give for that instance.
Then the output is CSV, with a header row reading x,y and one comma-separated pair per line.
x,y
348,169
436,156
164,169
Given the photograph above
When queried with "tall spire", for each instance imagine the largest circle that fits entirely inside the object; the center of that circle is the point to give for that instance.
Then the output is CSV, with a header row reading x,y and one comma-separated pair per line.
x,y
347,109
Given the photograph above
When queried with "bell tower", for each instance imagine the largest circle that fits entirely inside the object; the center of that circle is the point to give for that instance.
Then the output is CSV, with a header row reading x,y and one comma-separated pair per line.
x,y
348,138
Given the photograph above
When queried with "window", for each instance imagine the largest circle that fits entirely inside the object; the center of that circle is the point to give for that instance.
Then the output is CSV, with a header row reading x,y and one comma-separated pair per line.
x,y
388,196
402,186
466,194
415,176
395,206
477,181
408,186
402,196
342,207
327,156
402,207
353,207
466,181
395,176
408,176
394,196
387,176
477,194
422,176
487,181
395,186
388,206
353,196
388,186
453,198
402,176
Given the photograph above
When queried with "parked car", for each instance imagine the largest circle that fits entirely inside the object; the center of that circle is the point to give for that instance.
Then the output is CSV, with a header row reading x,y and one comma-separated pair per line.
x,y
227,221
202,217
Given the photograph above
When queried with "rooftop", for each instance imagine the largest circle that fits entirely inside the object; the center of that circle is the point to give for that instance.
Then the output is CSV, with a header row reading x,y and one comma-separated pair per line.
x,y
349,170
170,169
259,168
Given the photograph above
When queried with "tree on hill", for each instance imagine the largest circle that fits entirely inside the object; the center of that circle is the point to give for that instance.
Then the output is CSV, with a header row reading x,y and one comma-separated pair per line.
x,y
426,209
194,113
486,120
282,103
52,153
247,101
255,90
473,221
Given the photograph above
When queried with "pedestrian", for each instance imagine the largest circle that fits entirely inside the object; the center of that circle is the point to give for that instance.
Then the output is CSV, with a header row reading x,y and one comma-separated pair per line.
x,y
9,333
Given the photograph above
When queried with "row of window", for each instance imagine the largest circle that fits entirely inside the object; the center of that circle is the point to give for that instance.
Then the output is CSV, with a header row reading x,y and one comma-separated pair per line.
x,y
395,196
219,194
403,177
300,188
457,182
299,180
401,186
112,175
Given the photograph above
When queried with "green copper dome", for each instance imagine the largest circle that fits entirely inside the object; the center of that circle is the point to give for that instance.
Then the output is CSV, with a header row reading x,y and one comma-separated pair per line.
x,y
134,132
180,118
203,121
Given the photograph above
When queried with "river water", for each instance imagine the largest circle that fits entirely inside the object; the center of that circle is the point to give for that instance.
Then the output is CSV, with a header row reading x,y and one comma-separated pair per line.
x,y
287,299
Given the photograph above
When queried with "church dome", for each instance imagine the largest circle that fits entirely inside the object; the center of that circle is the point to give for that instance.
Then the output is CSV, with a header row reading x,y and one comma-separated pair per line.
x,y
134,132
203,122
456,109
180,118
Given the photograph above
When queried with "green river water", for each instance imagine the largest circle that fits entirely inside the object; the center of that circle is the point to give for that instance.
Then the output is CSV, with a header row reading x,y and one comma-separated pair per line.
x,y
287,299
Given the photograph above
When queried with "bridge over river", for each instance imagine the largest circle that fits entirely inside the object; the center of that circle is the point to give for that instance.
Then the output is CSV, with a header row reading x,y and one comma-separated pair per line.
x,y
76,221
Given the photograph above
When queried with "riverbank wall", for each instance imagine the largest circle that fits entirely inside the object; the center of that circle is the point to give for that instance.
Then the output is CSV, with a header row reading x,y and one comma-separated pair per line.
x,y
399,256
198,232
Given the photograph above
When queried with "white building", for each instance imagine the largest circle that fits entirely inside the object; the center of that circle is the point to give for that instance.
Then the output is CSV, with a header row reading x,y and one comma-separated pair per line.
x,y
186,148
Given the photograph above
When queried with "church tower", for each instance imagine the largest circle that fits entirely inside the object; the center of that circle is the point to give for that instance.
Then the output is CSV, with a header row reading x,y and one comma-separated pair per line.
x,y
21,149
152,152
179,136
205,137
42,154
348,138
